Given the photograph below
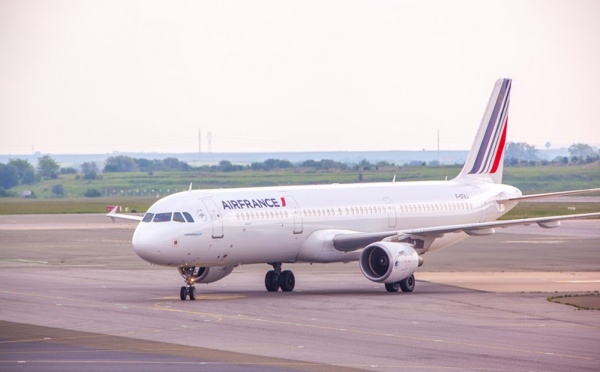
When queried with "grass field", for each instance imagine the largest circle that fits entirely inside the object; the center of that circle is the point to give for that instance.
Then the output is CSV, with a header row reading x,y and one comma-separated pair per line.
x,y
139,190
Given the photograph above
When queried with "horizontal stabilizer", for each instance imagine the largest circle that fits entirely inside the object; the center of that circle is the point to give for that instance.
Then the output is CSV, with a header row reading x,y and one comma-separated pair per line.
x,y
113,214
547,195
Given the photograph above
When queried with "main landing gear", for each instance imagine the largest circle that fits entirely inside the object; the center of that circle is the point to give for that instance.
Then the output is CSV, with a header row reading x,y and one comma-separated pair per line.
x,y
407,285
276,279
188,289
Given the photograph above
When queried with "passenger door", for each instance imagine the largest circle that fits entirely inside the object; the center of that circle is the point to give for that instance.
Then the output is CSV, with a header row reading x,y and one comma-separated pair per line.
x,y
215,217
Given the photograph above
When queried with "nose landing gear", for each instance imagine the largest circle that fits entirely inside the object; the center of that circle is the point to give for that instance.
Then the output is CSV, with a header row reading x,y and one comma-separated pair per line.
x,y
188,289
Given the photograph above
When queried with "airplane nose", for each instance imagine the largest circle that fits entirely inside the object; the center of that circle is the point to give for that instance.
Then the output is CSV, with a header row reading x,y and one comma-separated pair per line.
x,y
146,244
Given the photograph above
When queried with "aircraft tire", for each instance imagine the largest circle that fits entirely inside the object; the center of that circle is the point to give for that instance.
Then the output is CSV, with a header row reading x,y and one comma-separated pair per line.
x,y
192,293
392,287
408,284
271,282
183,293
287,281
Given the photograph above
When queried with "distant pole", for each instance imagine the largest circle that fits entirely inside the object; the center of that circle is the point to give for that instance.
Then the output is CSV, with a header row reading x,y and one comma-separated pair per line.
x,y
199,142
438,143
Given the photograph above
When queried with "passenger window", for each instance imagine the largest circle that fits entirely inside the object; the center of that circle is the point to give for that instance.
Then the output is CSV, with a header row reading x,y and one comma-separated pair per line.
x,y
188,217
177,217
162,217
148,217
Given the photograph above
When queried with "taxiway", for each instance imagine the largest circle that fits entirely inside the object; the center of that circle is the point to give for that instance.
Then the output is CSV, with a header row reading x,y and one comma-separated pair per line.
x,y
74,296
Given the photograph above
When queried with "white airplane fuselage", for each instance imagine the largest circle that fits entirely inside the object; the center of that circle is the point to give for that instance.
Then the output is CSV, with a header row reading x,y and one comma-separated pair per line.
x,y
282,224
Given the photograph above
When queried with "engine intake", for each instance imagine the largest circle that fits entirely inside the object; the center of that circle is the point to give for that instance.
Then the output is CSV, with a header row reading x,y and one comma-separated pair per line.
x,y
387,262
206,274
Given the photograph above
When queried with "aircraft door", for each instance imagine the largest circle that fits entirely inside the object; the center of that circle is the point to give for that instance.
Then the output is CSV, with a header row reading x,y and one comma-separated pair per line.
x,y
295,213
391,210
215,217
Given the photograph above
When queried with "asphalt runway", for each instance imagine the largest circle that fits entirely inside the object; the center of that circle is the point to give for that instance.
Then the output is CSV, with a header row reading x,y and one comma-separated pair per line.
x,y
74,296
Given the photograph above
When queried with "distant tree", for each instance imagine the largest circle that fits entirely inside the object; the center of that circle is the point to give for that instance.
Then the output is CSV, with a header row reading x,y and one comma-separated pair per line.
x,y
175,164
580,150
58,190
120,163
69,170
90,170
548,144
277,164
582,153
9,177
225,166
47,167
25,170
516,152
88,167
28,177
145,165
257,166
5,193
331,164
363,165
92,193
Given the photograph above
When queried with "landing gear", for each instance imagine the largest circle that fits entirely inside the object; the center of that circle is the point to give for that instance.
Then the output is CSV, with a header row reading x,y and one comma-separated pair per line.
x,y
276,279
392,287
271,282
406,285
188,289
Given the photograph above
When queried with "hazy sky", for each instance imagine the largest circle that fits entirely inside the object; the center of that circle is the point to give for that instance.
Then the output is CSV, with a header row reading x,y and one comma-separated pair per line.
x,y
101,76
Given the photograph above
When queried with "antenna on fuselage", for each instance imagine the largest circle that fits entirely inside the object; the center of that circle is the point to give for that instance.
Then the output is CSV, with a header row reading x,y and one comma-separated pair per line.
x,y
394,180
190,189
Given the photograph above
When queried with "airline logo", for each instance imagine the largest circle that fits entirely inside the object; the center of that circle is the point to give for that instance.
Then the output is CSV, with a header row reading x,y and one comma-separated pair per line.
x,y
254,203
492,145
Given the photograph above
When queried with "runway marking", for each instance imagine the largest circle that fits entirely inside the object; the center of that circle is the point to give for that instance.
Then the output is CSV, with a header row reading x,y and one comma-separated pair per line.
x,y
157,306
203,297
22,260
578,281
221,317
535,241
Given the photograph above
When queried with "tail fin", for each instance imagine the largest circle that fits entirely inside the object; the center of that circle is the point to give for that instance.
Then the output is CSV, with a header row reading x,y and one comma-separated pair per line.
x,y
485,159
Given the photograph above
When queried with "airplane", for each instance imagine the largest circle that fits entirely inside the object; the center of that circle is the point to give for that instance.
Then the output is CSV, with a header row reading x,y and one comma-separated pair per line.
x,y
386,227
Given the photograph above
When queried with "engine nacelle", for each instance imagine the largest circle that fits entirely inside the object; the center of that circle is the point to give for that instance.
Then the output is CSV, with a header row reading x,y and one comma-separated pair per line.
x,y
206,275
387,262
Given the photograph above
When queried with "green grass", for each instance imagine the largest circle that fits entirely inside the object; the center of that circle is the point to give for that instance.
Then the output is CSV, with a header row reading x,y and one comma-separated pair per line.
x,y
72,205
543,209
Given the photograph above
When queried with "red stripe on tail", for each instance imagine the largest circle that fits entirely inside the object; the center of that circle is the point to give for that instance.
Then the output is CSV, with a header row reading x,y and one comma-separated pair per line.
x,y
500,148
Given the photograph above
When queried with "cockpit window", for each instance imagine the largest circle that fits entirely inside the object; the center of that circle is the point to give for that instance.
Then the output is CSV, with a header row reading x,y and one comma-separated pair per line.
x,y
162,217
188,217
148,217
178,217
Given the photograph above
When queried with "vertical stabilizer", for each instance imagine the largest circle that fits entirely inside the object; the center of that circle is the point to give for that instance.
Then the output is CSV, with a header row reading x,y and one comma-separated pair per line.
x,y
485,159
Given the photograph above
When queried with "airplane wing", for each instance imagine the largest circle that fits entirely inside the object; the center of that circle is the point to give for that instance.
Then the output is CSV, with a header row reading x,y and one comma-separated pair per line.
x,y
547,195
347,242
113,214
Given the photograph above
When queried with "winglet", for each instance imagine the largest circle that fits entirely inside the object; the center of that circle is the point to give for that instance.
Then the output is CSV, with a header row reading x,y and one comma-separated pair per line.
x,y
487,152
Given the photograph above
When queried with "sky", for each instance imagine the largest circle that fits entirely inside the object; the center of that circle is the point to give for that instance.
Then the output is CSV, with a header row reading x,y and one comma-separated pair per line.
x,y
81,76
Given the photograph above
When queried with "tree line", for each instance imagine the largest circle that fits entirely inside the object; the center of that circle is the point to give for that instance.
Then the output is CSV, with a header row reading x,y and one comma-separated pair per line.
x,y
519,153
21,172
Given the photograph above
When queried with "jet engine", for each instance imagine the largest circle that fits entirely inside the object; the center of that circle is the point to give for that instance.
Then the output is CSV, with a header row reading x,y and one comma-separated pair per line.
x,y
205,275
387,262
